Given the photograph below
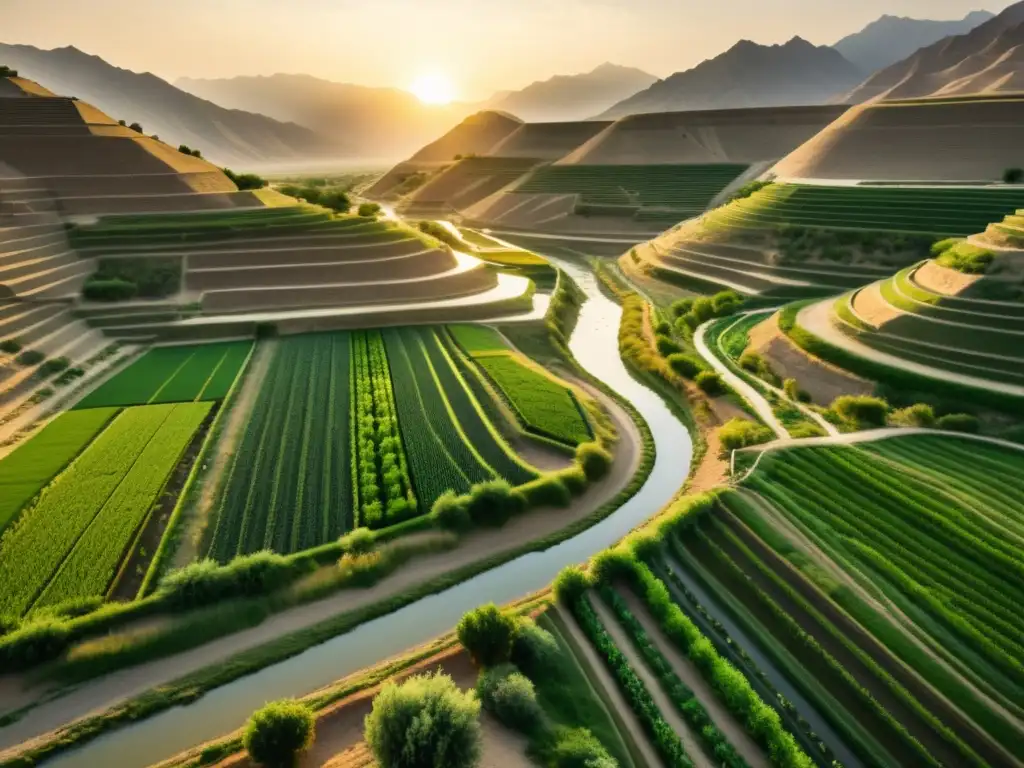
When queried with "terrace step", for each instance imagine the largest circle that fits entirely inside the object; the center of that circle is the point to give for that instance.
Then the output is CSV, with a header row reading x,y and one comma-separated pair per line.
x,y
63,280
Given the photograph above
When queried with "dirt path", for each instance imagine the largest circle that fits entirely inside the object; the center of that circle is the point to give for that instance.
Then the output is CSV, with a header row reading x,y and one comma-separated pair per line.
x,y
692,678
942,280
886,609
713,470
224,451
871,307
691,742
601,675
96,696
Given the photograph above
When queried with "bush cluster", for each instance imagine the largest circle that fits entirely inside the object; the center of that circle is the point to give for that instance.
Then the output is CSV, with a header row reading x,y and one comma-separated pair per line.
x,y
6,71
686,365
244,180
579,748
488,633
533,649
186,150
441,233
278,732
711,384
690,313
30,357
206,582
10,346
594,460
966,258
741,433
509,695
861,410
113,289
917,415
369,210
959,422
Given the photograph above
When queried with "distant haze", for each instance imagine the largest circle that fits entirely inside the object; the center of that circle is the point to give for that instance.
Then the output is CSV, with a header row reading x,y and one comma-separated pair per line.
x,y
482,45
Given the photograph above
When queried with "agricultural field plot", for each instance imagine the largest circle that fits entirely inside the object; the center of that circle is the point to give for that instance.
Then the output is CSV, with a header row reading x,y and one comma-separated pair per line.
x,y
173,375
894,563
27,470
543,405
289,485
70,543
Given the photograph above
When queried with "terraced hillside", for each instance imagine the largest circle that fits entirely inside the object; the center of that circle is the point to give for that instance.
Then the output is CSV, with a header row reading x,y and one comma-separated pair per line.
x,y
547,141
68,153
468,181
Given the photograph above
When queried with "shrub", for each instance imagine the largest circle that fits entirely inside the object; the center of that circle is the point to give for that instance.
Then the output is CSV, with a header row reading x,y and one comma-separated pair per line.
x,y
451,512
367,210
30,357
573,478
687,366
663,328
741,433
547,491
426,722
682,307
245,180
510,696
114,289
710,383
334,199
443,234
137,127
594,460
570,583
959,422
357,542
277,733
33,643
52,366
862,410
666,346
492,503
966,258
726,303
10,346
752,361
1013,175
793,391
940,247
206,581
361,569
534,649
8,72
487,633
579,748
918,415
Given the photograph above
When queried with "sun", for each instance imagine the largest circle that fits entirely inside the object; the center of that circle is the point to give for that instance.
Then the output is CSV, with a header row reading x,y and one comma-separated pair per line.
x,y
434,88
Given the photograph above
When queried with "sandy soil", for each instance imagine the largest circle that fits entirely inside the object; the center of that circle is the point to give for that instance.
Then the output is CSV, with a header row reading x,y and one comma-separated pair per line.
x,y
822,381
116,687
599,673
231,433
692,678
871,307
713,470
691,740
938,279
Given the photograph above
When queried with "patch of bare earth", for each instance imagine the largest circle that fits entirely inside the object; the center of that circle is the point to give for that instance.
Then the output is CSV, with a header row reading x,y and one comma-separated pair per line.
x,y
231,433
871,307
692,678
824,382
713,470
936,278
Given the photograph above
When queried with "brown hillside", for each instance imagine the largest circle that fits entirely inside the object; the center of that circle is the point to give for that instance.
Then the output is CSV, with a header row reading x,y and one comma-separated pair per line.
x,y
476,135
547,141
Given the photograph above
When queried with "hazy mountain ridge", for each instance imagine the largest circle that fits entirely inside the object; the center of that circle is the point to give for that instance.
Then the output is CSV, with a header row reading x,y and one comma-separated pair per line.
x,y
988,59
890,39
566,98
224,135
749,75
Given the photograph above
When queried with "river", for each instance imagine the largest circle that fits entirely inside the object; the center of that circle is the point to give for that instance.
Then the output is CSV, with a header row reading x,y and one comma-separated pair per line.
x,y
594,344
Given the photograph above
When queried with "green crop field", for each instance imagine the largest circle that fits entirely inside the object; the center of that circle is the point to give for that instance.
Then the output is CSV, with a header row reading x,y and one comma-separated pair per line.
x,y
354,429
173,374
70,542
541,404
28,469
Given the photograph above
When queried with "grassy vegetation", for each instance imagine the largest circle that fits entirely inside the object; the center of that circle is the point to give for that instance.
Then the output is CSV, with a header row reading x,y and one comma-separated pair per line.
x,y
173,374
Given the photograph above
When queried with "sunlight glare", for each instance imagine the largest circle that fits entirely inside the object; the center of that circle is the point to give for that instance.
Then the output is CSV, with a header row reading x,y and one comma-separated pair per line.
x,y
433,88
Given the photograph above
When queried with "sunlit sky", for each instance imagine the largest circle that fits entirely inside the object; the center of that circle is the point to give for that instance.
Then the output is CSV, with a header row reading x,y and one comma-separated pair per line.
x,y
480,46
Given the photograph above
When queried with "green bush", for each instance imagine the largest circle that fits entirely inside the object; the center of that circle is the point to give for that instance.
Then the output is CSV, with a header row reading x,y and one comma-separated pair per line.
x,y
663,328
30,357
666,346
862,410
966,258
570,583
426,722
278,733
114,289
579,748
573,478
1013,175
917,415
594,460
10,346
509,695
547,491
32,643
534,649
687,366
492,503
368,210
358,541
154,277
487,633
6,71
334,199
441,233
959,422
52,366
940,247
137,127
245,180
451,512
682,307
710,383
752,361
792,389
206,581
726,303
741,433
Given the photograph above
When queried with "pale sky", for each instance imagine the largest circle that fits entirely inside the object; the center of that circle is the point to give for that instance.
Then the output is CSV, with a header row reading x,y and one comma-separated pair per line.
x,y
481,45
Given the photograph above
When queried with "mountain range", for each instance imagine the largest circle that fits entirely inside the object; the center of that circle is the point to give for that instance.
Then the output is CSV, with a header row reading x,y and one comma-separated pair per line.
x,y
749,75
987,59
226,136
566,98
889,39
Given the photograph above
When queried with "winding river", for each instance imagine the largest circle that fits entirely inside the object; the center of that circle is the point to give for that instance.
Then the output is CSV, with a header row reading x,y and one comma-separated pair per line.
x,y
595,345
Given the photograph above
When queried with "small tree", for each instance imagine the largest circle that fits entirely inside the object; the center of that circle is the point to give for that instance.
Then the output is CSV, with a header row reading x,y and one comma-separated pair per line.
x,y
426,722
594,460
711,383
7,71
336,200
368,210
862,410
137,127
1013,175
278,733
487,633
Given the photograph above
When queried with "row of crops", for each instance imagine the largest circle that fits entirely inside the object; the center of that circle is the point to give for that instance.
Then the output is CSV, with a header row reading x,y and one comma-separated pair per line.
x,y
173,375
543,405
354,429
96,477
883,584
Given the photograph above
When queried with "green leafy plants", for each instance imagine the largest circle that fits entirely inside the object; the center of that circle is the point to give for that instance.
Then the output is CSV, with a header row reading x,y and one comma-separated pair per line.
x,y
967,258
861,410
278,733
487,633
711,383
510,696
30,357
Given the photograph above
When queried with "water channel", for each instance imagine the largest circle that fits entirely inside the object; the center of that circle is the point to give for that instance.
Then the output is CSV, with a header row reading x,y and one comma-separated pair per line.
x,y
594,344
